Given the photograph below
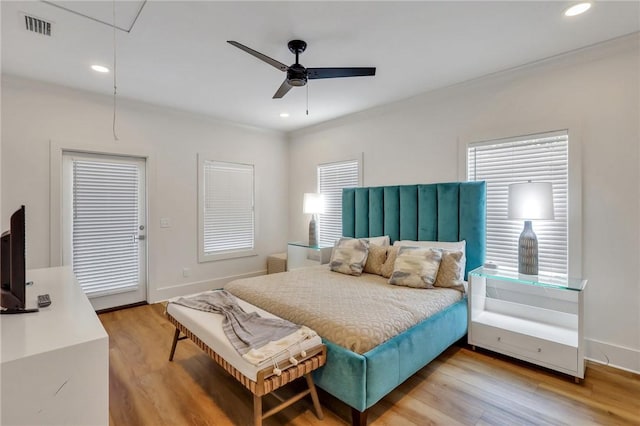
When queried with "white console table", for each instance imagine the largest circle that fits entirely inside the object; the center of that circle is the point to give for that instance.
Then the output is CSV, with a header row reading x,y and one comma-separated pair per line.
x,y
55,363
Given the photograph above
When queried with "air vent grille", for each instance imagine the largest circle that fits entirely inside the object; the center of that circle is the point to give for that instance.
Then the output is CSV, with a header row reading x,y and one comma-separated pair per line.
x,y
37,25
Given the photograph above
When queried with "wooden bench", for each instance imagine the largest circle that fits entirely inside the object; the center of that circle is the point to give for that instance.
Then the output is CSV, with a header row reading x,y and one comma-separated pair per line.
x,y
266,380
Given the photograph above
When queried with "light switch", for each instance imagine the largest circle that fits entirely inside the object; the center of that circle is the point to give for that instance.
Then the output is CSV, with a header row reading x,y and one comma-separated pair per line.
x,y
165,222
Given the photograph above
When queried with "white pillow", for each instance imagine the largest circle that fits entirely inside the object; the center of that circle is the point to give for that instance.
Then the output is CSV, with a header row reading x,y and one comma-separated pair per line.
x,y
443,245
383,241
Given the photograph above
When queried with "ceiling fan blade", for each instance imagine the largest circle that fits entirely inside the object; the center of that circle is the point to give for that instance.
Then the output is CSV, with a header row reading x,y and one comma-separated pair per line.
x,y
265,58
316,73
282,90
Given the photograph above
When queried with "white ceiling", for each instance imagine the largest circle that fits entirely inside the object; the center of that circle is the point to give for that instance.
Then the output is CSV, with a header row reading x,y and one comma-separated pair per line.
x,y
176,54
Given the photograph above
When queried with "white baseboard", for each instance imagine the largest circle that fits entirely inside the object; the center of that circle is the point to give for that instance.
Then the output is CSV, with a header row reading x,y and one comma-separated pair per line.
x,y
616,356
164,293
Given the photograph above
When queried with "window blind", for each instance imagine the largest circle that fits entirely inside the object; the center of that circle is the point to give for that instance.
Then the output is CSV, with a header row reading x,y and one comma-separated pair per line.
x,y
332,178
228,223
541,158
105,226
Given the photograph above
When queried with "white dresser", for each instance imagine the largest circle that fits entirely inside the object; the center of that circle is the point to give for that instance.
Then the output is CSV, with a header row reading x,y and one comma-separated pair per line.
x,y
55,363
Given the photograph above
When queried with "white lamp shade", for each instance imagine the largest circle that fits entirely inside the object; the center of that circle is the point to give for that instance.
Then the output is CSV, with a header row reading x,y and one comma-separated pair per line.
x,y
531,201
313,203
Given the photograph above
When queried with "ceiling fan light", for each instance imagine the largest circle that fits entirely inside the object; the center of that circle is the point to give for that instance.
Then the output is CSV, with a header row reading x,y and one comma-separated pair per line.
x,y
577,9
297,82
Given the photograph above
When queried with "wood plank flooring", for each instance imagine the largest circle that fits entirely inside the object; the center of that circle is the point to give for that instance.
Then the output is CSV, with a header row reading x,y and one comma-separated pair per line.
x,y
461,387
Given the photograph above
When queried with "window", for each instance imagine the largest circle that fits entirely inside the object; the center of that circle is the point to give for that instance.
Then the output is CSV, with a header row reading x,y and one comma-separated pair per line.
x,y
542,158
332,177
227,225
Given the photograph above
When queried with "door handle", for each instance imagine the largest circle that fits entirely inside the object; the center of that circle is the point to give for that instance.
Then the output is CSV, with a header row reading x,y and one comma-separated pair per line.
x,y
138,237
141,237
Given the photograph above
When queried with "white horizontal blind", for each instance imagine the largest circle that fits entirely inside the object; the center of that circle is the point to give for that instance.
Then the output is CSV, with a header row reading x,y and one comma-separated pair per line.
x,y
228,207
332,178
539,158
105,226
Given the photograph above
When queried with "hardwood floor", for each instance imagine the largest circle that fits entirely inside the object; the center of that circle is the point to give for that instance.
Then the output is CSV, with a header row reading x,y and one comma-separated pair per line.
x,y
461,387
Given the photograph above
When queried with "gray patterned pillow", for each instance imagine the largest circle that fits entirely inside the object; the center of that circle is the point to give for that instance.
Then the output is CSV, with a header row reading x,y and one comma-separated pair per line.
x,y
416,267
451,271
349,256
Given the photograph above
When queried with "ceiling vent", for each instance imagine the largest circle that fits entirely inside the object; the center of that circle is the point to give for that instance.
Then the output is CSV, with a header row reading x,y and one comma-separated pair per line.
x,y
37,25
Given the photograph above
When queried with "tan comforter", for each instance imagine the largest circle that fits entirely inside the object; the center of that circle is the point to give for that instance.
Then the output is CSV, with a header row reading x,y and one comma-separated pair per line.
x,y
358,313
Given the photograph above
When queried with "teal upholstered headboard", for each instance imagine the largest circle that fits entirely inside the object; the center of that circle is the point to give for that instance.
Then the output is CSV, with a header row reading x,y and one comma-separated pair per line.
x,y
453,211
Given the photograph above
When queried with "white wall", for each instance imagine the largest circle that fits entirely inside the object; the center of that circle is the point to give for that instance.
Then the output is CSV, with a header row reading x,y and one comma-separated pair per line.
x,y
35,113
594,93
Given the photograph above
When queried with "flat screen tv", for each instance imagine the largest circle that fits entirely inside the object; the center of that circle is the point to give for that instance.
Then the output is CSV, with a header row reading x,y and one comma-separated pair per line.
x,y
14,257
5,258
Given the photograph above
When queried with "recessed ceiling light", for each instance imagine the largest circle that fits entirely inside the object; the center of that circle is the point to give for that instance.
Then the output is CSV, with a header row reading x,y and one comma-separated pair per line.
x,y
99,68
577,9
284,114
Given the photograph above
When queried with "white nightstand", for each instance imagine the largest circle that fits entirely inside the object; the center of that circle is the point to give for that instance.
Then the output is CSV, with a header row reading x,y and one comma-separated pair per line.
x,y
538,318
302,255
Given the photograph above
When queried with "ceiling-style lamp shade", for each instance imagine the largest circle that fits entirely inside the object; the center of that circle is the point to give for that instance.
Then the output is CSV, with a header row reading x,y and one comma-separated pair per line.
x,y
313,203
531,201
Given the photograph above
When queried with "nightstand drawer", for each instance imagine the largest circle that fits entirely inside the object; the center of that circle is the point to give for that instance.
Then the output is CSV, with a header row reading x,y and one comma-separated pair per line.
x,y
527,348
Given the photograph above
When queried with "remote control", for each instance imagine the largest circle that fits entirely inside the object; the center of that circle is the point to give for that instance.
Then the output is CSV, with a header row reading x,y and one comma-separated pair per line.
x,y
44,300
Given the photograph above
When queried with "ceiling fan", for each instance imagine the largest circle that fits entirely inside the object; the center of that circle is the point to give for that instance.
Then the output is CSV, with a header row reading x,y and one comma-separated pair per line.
x,y
297,75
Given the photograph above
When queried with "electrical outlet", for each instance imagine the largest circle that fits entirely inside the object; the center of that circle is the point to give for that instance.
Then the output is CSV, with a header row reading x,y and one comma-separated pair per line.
x,y
165,222
186,272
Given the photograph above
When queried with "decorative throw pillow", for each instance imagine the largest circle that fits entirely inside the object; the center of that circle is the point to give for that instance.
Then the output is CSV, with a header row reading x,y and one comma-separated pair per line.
x,y
416,267
387,267
376,258
349,256
451,271
442,245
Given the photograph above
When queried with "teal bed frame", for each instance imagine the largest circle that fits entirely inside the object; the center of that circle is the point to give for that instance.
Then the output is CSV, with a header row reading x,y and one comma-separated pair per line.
x,y
453,211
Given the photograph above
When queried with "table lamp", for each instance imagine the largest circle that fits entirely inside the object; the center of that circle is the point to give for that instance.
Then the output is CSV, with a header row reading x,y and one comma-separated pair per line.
x,y
313,204
530,201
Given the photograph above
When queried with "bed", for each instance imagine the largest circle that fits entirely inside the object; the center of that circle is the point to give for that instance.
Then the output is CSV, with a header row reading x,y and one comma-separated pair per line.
x,y
361,376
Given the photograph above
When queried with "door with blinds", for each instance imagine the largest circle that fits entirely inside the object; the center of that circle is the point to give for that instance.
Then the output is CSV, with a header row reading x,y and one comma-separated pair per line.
x,y
104,227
